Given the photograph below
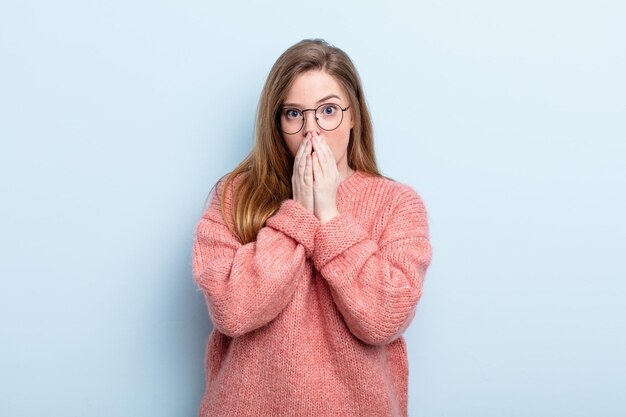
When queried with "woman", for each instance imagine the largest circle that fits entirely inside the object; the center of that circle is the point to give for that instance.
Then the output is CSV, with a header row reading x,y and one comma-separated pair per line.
x,y
311,262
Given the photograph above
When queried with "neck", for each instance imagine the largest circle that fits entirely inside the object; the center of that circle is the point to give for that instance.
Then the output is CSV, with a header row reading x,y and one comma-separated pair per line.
x,y
344,172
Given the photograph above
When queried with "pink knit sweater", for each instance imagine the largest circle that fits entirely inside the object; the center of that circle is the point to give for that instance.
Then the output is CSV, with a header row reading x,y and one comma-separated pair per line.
x,y
308,318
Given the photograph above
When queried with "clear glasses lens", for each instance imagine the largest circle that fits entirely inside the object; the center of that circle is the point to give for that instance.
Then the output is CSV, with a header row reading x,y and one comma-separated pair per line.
x,y
291,120
328,117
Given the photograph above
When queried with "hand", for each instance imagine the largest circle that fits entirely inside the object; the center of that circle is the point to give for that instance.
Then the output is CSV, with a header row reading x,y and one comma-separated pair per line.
x,y
302,178
325,180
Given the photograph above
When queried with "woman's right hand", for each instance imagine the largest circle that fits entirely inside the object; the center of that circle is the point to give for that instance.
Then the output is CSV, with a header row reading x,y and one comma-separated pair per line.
x,y
302,178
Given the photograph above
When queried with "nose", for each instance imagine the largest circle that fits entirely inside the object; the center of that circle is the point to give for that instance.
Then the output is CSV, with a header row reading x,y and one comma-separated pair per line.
x,y
310,124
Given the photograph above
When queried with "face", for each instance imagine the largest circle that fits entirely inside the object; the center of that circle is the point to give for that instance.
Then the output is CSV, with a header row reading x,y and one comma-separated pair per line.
x,y
308,91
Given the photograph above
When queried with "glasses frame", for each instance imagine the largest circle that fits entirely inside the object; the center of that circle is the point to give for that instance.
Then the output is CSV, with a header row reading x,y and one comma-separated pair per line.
x,y
282,108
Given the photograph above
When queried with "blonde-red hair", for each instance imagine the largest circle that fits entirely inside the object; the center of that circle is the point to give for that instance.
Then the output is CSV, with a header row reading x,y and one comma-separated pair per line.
x,y
266,171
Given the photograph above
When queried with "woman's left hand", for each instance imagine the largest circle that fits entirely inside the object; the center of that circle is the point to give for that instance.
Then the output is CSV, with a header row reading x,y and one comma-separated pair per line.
x,y
325,180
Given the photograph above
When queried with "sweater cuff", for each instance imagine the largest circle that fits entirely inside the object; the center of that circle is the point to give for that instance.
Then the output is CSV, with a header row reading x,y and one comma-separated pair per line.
x,y
296,222
335,237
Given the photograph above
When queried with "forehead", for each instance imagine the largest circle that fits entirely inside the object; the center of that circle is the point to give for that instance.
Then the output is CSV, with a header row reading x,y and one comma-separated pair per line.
x,y
308,87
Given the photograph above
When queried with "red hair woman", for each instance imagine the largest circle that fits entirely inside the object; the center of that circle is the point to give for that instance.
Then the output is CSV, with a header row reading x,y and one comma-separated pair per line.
x,y
311,262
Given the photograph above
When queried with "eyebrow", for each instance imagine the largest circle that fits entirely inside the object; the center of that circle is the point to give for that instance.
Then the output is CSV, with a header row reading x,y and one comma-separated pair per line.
x,y
322,99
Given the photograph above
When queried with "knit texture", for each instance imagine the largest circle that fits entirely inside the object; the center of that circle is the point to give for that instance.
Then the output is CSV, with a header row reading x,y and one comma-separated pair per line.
x,y
308,318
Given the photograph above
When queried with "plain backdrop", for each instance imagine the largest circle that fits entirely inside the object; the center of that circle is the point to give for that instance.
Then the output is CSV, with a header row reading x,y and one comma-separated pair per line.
x,y
508,118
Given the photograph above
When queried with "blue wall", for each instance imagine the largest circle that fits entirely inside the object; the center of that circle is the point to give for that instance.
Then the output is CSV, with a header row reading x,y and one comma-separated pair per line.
x,y
508,118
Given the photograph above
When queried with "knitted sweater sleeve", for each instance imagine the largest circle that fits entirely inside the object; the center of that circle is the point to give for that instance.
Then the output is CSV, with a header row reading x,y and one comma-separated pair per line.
x,y
246,286
376,284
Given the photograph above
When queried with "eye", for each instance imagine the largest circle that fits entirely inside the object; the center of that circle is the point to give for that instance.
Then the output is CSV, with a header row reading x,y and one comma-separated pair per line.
x,y
292,113
330,109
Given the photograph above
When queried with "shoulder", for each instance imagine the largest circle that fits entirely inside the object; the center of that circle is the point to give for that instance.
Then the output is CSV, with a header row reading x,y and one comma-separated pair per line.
x,y
233,181
401,203
396,192
216,194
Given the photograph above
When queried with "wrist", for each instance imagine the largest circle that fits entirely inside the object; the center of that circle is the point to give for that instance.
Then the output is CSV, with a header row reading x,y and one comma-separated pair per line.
x,y
328,216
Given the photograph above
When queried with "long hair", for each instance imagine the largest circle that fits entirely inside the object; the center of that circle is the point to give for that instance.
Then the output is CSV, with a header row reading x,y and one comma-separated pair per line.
x,y
266,171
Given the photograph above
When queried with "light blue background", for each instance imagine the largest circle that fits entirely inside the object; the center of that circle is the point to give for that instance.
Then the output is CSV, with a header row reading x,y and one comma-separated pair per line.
x,y
508,118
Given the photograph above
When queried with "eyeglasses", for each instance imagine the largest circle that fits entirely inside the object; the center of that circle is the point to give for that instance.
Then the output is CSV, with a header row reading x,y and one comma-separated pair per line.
x,y
328,117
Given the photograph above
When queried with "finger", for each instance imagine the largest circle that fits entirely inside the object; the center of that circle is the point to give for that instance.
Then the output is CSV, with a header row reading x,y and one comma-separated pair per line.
x,y
329,157
321,157
308,148
300,149
325,147
301,175
305,150
302,143
308,171
297,164
316,166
